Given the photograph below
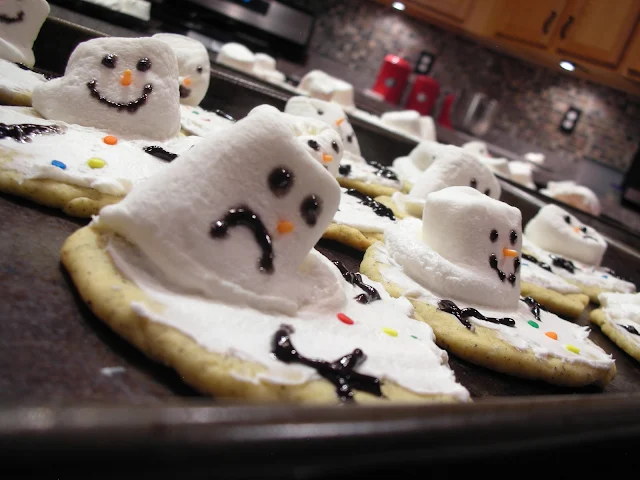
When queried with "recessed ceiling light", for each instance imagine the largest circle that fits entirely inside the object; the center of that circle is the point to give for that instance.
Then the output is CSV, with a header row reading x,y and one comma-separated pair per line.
x,y
398,5
567,65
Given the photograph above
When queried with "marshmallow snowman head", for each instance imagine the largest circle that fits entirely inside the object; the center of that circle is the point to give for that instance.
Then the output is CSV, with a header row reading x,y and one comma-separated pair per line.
x,y
329,113
193,66
126,86
557,231
323,86
243,208
477,147
477,234
454,167
407,121
426,152
20,22
237,56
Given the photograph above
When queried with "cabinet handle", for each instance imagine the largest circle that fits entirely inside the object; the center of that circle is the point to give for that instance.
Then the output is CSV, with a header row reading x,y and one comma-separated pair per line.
x,y
565,27
548,22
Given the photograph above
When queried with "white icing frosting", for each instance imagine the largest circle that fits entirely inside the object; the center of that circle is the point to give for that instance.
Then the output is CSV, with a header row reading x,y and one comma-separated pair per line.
x,y
210,181
523,336
15,80
406,169
410,359
201,122
353,213
328,112
126,163
583,274
319,84
449,251
136,8
532,273
557,231
193,66
122,80
496,164
407,121
366,173
237,56
421,158
575,195
623,309
18,34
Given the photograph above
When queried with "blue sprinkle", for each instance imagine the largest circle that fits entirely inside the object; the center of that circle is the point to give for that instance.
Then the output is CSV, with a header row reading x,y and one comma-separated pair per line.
x,y
605,276
525,263
59,164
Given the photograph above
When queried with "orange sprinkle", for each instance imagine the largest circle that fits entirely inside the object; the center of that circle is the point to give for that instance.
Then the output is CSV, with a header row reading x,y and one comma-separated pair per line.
x,y
326,158
285,226
110,140
339,121
344,319
553,335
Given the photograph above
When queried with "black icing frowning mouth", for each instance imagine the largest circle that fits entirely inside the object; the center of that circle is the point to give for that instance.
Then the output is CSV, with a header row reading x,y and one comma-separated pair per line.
x,y
184,91
493,259
19,17
131,106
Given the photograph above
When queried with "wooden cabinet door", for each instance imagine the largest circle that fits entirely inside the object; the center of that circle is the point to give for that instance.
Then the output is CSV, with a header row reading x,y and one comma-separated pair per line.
x,y
455,9
530,21
598,30
631,62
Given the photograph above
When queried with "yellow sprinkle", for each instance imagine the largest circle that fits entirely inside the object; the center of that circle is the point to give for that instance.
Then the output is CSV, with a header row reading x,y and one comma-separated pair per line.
x,y
96,162
573,349
390,331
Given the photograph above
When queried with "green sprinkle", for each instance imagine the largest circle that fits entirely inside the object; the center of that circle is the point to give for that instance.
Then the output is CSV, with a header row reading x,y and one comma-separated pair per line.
x,y
195,112
533,324
413,336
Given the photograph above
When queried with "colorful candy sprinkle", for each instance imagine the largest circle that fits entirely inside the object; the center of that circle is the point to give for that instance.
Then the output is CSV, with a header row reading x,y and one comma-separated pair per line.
x,y
110,140
533,324
96,162
390,331
195,112
572,348
413,336
605,276
344,319
59,164
552,335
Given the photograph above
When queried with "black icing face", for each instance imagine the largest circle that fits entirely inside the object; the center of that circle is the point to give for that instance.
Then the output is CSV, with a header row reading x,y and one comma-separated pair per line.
x,y
510,251
10,15
125,78
473,183
281,180
582,230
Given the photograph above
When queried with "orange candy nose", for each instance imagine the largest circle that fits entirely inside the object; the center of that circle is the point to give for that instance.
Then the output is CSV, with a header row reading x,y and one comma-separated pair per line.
x,y
326,158
507,252
187,82
126,78
285,226
339,121
576,229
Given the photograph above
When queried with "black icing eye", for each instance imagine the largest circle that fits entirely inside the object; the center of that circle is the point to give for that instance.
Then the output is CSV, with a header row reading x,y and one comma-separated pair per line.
x,y
280,181
320,112
199,69
583,229
473,183
487,192
335,146
494,235
513,237
144,64
567,219
313,144
110,60
310,209
350,138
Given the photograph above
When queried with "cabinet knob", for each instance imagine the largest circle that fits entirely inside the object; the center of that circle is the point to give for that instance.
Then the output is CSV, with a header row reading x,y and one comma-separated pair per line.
x,y
565,27
547,23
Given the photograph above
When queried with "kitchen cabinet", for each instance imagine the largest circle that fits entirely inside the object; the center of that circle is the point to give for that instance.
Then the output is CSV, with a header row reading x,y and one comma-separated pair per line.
x,y
631,62
456,9
530,22
597,30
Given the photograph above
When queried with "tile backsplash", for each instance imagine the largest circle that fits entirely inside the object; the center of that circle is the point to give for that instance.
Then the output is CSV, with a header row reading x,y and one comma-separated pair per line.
x,y
352,37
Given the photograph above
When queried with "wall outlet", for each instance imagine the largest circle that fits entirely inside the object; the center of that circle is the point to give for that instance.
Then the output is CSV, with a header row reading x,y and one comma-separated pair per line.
x,y
425,63
570,119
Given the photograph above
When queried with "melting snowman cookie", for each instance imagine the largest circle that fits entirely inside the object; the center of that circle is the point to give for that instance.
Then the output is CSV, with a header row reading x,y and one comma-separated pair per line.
x,y
419,159
226,288
80,167
619,319
572,250
20,23
450,166
460,267
124,85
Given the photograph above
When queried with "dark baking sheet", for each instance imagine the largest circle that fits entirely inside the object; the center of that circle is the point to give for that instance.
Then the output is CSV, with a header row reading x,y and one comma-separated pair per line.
x,y
56,400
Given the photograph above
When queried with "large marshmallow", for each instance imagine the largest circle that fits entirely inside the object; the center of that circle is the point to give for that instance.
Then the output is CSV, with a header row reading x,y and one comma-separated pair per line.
x,y
477,147
265,68
468,249
323,86
236,55
20,23
577,196
559,232
428,128
170,217
193,66
104,75
407,121
329,113
453,167
522,173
